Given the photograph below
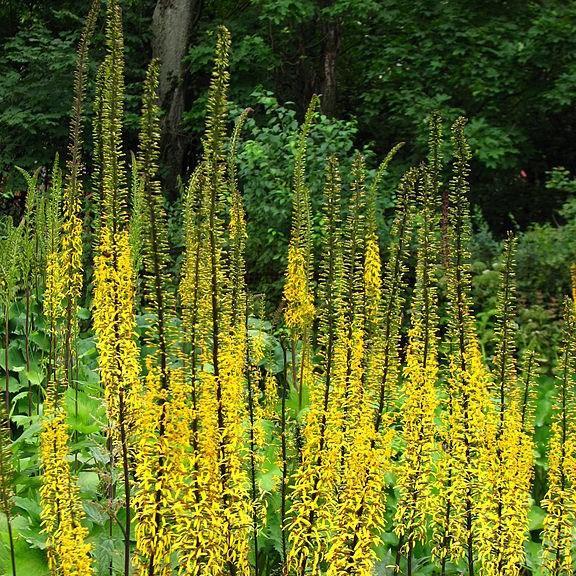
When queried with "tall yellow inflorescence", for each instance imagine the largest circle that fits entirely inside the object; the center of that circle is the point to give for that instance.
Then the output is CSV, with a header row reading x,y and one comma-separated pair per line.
x,y
370,367
161,464
299,300
152,551
361,509
298,295
360,378
373,283
386,340
199,527
236,508
414,480
214,520
466,398
67,548
114,277
560,499
70,249
62,513
114,324
299,314
505,470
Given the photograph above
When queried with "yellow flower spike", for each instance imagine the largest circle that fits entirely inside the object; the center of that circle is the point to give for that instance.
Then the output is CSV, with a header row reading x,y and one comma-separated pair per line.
x,y
119,356
213,297
300,311
361,508
299,301
385,342
62,513
505,470
114,324
152,550
61,509
414,481
372,276
467,426
560,500
114,275
363,378
315,481
199,528
53,291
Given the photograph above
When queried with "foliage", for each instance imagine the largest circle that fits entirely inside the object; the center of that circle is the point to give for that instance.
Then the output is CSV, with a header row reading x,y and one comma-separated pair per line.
x,y
37,68
510,67
270,138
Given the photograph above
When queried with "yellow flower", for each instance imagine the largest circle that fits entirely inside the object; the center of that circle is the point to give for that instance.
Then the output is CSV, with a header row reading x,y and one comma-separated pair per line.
x,y
114,325
372,276
299,301
62,513
414,478
417,500
560,506
560,499
153,546
360,513
505,458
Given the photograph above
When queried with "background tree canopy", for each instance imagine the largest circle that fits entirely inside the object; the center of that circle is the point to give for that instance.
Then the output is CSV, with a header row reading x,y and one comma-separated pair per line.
x,y
381,66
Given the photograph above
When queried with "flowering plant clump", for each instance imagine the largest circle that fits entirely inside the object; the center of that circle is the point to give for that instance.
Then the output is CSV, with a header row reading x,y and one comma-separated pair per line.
x,y
363,428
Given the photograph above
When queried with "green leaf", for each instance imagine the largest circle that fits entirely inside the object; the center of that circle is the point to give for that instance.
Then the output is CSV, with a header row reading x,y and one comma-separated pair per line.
x,y
35,375
41,340
84,414
14,386
269,480
29,505
29,561
96,513
83,313
16,361
89,483
536,518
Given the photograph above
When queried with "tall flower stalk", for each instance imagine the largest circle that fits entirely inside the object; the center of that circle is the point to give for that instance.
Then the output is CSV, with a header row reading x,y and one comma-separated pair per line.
x,y
7,475
506,458
560,499
114,320
370,372
214,300
466,400
315,480
414,480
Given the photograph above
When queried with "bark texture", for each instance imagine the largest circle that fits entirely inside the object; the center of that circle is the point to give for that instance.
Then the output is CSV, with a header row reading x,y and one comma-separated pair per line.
x,y
171,25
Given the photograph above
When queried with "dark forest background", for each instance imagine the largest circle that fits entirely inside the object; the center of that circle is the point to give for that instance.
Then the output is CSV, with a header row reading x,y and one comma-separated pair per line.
x,y
381,67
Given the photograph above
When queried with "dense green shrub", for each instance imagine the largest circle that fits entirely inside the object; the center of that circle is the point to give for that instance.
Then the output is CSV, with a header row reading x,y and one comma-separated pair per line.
x,y
265,165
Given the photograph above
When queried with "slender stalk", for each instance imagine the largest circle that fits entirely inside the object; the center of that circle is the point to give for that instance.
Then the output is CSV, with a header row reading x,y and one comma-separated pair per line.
x,y
284,460
398,554
126,474
11,540
251,401
6,480
111,497
6,358
27,349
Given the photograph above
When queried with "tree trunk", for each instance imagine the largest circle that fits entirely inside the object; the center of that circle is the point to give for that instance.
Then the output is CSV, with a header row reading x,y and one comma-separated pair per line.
x,y
171,27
